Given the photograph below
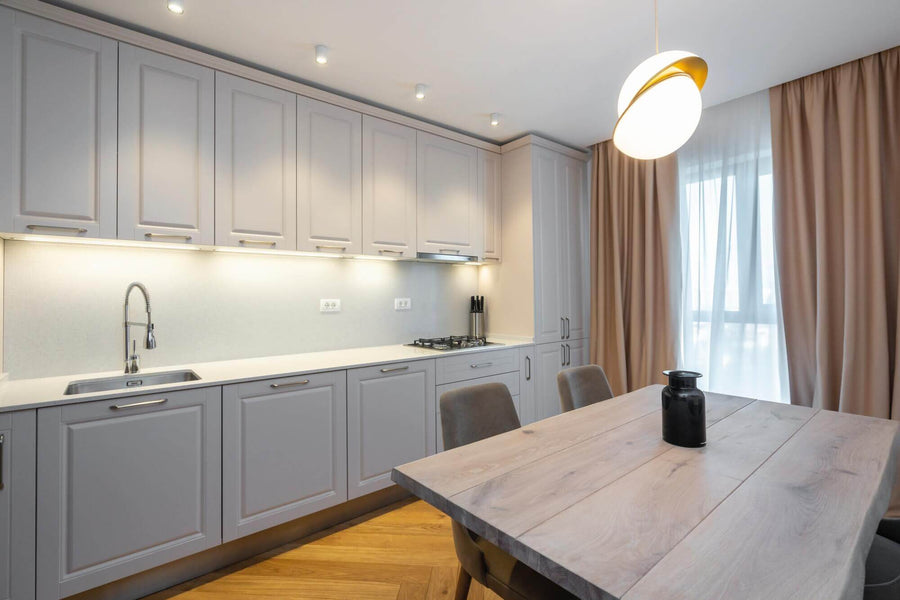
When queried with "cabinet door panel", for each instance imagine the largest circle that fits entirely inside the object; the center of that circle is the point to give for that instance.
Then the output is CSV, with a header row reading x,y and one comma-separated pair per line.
x,y
489,189
548,363
449,214
575,252
18,437
389,188
329,148
256,165
549,275
58,130
390,421
166,164
124,490
285,450
576,353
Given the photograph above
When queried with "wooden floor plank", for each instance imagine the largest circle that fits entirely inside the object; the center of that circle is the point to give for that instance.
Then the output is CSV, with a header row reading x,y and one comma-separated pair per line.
x,y
402,554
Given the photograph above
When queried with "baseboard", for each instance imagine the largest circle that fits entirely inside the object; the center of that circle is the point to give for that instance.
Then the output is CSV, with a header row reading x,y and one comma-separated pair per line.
x,y
191,567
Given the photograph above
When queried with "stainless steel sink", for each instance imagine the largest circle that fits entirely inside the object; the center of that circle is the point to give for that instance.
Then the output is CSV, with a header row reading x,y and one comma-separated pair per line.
x,y
87,386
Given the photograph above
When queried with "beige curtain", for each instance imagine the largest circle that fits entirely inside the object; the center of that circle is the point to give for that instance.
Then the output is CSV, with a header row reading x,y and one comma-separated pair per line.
x,y
634,267
836,151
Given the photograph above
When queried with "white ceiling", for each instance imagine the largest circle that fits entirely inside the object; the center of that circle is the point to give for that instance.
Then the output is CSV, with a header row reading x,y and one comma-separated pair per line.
x,y
552,67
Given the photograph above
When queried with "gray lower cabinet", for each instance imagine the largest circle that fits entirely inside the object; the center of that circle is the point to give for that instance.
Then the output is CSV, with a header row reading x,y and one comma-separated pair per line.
x,y
17,473
549,360
284,450
125,485
390,421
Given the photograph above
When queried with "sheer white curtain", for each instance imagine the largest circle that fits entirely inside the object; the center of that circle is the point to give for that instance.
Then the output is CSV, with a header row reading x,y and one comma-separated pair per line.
x,y
730,323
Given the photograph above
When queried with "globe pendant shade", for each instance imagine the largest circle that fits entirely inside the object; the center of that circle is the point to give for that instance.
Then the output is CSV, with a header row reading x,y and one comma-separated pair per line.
x,y
659,105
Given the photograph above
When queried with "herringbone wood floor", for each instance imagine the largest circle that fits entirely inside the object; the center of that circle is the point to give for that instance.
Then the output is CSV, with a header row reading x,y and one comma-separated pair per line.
x,y
404,552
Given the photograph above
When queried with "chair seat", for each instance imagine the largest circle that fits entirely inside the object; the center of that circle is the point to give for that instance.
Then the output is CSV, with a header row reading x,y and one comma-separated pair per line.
x,y
514,576
883,570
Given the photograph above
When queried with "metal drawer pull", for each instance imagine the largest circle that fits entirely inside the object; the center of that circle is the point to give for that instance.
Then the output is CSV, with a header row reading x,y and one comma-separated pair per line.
x,y
137,404
448,251
567,328
55,228
562,328
168,236
260,242
491,258
386,251
392,369
288,384
527,368
341,248
480,365
2,440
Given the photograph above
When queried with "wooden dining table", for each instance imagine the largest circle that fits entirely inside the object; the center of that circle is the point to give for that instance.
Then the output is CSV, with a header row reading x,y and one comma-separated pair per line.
x,y
782,502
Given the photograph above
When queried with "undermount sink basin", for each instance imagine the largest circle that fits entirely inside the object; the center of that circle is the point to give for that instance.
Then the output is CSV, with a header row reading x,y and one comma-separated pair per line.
x,y
87,386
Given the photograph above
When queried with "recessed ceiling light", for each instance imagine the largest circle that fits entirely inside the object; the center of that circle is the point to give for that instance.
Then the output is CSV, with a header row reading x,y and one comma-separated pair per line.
x,y
495,119
420,91
175,6
321,54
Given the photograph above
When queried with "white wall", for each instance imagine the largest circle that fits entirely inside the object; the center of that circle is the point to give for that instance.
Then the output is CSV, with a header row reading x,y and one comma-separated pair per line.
x,y
63,305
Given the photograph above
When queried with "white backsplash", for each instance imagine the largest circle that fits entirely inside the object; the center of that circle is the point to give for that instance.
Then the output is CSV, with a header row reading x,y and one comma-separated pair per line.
x,y
62,305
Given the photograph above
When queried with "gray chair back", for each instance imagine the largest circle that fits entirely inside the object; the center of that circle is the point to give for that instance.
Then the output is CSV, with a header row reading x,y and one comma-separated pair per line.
x,y
582,386
477,412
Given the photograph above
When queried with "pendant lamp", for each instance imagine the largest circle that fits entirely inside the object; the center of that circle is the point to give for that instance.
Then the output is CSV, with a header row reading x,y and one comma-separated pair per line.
x,y
659,105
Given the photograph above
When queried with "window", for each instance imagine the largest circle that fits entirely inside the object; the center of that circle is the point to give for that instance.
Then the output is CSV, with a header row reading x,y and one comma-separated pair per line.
x,y
730,322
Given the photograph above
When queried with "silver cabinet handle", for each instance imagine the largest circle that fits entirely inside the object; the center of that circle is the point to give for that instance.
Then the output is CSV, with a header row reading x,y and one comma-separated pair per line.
x,y
168,236
137,404
386,251
480,365
527,368
341,248
491,258
568,355
258,242
448,251
288,384
2,441
55,228
562,351
562,328
567,328
393,369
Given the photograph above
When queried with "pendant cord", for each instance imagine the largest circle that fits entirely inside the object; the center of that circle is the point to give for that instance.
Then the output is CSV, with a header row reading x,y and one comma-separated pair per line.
x,y
656,23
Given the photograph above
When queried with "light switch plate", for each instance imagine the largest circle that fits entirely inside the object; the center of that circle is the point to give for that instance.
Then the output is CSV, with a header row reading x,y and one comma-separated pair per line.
x,y
330,305
402,303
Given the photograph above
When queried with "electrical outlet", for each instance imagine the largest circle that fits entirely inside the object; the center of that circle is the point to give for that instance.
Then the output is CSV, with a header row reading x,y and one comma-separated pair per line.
x,y
402,304
332,305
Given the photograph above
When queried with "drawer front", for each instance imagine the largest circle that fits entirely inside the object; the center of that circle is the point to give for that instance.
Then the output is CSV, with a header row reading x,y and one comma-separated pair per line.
x,y
473,365
510,380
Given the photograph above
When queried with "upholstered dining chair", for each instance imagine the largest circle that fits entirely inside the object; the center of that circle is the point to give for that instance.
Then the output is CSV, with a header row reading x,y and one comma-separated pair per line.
x,y
468,415
883,563
581,386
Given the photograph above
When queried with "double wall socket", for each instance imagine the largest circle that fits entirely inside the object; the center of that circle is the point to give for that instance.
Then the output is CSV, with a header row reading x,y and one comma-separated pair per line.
x,y
402,303
331,305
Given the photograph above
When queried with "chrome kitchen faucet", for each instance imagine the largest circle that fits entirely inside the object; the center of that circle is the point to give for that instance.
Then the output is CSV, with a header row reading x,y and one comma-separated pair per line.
x,y
133,361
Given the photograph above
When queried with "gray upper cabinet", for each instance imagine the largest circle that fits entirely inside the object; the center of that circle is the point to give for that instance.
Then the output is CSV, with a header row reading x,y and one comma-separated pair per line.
x,y
390,421
549,219
256,165
125,485
490,192
284,450
166,148
573,249
57,129
18,437
448,211
329,193
389,188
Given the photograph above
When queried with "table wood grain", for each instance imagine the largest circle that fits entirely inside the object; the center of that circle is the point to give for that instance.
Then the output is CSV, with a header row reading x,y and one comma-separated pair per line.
x,y
782,502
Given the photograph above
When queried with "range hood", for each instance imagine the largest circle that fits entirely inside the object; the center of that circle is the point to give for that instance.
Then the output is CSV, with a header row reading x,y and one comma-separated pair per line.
x,y
437,257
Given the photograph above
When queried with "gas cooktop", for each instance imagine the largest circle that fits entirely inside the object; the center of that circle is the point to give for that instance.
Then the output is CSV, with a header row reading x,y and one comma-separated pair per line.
x,y
453,342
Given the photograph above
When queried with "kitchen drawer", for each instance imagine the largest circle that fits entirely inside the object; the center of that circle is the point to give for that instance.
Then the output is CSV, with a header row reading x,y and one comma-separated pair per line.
x,y
510,380
472,365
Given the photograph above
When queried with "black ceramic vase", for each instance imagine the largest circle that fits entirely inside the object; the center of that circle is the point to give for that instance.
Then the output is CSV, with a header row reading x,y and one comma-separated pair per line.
x,y
683,410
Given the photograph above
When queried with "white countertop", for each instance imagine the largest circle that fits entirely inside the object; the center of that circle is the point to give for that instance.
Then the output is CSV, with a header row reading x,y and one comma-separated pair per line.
x,y
47,391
